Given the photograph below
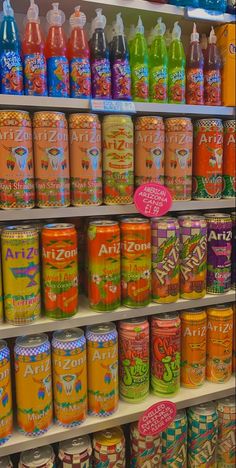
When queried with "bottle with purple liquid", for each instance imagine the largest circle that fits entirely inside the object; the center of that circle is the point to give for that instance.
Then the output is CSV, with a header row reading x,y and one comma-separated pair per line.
x,y
120,67
100,62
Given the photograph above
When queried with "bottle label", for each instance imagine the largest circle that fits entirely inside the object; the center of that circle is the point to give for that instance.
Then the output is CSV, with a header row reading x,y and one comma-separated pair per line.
x,y
35,71
140,83
158,84
58,77
213,88
177,86
121,79
80,78
195,86
101,79
11,73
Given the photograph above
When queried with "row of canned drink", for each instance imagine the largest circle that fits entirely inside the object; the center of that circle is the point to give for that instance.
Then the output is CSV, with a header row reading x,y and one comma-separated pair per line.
x,y
204,436
130,262
90,372
90,164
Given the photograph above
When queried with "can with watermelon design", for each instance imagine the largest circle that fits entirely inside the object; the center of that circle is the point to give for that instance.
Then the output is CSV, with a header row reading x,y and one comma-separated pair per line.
x,y
233,258
165,259
145,450
202,435
226,456
229,162
207,159
174,442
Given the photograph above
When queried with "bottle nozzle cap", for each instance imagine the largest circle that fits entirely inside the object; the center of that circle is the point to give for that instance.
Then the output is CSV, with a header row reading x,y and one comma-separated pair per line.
x,y
140,27
55,17
7,9
99,22
212,38
176,33
194,35
160,28
33,13
77,19
119,26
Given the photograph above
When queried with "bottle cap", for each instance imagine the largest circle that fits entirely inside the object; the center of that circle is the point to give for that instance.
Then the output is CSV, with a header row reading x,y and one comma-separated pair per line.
x,y
55,17
99,22
212,37
176,33
119,26
7,9
160,28
33,13
78,18
194,35
139,28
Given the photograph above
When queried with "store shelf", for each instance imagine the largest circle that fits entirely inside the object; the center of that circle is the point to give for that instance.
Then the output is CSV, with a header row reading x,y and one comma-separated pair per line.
x,y
86,316
183,109
126,413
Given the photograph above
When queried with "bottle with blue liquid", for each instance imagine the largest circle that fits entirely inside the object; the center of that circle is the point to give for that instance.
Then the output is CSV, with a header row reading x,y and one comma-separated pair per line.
x,y
11,66
185,3
219,6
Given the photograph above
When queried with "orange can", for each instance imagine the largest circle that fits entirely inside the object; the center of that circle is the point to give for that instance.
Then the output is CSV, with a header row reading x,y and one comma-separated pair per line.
x,y
193,347
229,162
219,343
6,413
33,373
234,337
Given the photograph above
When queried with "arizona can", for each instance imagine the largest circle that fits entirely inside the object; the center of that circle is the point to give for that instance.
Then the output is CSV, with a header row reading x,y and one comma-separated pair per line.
x,y
174,442
76,453
233,257
226,456
41,457
145,450
21,276
229,163
109,448
6,412
5,462
202,435
33,371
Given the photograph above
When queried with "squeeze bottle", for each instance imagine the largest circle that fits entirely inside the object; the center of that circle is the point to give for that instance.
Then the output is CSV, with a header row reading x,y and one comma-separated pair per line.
x,y
100,63
11,67
158,65
79,57
176,68
139,65
212,73
56,54
120,67
35,67
195,77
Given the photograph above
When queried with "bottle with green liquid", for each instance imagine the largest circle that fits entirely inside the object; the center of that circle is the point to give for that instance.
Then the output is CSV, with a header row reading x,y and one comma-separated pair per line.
x,y
176,68
139,65
158,65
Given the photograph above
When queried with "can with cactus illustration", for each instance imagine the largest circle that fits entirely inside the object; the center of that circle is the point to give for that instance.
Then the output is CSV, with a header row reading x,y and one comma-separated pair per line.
x,y
103,265
229,162
85,159
16,162
202,435
76,452
149,150
135,261
118,159
21,276
102,355
33,371
174,442
69,377
51,156
165,259
207,159
226,409
178,157
6,411
109,448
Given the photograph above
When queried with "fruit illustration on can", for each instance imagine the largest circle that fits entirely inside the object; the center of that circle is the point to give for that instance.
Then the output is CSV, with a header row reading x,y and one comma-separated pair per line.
x,y
229,163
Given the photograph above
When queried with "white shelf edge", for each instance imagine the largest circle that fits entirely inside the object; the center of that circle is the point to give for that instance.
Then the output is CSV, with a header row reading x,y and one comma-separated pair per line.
x,y
86,316
125,414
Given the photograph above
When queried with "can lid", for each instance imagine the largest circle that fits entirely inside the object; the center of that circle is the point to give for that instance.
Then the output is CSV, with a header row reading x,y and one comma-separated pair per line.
x,y
229,403
133,321
75,446
31,340
109,437
193,311
72,334
191,217
166,316
5,462
21,228
204,409
103,222
37,457
181,414
164,219
216,215
59,226
134,220
220,307
3,344
101,329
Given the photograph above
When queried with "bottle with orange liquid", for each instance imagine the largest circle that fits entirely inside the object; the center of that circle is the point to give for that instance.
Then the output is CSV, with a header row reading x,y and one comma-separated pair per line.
x,y
56,54
35,68
79,57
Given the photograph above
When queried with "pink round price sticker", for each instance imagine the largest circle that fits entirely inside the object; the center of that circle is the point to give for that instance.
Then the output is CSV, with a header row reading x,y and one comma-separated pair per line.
x,y
157,418
152,200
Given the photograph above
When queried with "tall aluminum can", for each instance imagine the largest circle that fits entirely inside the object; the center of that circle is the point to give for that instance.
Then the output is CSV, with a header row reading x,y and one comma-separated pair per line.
x,y
202,435
174,442
233,257
229,162
226,455
6,413
109,448
76,453
5,462
145,450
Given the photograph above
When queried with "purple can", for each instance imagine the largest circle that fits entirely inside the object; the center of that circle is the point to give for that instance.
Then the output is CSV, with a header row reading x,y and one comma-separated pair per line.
x,y
233,262
219,247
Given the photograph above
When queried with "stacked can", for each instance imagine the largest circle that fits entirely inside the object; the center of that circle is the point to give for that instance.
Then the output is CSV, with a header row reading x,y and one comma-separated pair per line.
x,y
202,435
21,277
1,293
208,159
174,442
226,456
5,462
118,159
178,157
102,355
41,457
145,451
76,453
234,338
109,448
233,257
149,150
33,371
193,256
60,270
85,159
134,359
6,414
16,163
69,377
165,259
51,155
135,262
219,247
165,354
229,163
219,343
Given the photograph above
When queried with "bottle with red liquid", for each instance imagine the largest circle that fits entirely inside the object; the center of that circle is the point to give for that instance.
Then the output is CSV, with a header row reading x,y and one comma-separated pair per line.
x,y
212,73
56,54
35,67
100,61
195,76
79,57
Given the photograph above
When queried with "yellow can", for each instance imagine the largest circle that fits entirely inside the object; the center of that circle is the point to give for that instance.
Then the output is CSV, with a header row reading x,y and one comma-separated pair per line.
x,y
69,376
21,276
6,416
109,448
33,372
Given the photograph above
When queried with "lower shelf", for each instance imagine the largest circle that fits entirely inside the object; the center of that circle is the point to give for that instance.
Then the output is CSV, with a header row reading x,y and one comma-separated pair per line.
x,y
126,413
